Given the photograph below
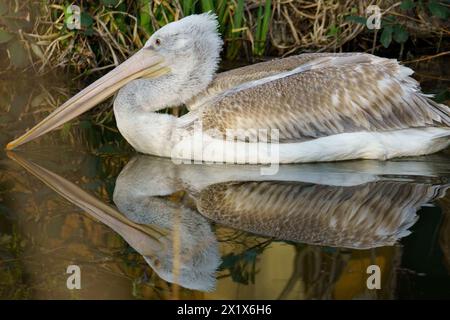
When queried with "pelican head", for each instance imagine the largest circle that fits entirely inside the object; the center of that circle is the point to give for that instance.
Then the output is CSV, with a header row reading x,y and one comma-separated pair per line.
x,y
191,266
190,43
185,53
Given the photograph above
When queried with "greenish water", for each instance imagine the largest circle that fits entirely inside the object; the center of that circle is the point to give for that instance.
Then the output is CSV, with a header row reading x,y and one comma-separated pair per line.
x,y
141,227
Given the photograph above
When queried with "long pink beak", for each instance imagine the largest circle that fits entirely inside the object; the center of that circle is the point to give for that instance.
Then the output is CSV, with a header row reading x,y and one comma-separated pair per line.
x,y
144,63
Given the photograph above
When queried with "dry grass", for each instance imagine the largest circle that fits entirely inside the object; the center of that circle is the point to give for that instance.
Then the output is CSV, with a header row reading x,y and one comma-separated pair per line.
x,y
249,28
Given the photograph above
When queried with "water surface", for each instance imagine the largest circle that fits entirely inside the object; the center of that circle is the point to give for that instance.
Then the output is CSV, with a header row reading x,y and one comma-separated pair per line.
x,y
141,227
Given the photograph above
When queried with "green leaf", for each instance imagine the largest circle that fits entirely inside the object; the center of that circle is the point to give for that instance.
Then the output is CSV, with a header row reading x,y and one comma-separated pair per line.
x,y
438,10
110,3
407,5
86,20
333,31
67,11
386,36
207,5
262,27
5,36
387,20
356,19
18,54
68,19
400,34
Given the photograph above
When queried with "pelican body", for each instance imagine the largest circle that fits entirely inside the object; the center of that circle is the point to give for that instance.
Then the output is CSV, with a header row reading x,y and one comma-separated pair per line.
x,y
305,108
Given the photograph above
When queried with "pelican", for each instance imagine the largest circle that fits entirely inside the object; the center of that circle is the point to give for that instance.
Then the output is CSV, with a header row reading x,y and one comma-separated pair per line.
x,y
311,107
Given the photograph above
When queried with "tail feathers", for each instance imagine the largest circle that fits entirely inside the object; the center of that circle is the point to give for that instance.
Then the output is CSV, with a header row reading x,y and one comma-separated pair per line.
x,y
440,109
441,112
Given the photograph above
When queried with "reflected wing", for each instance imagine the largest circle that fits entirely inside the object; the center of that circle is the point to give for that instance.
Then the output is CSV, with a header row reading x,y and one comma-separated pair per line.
x,y
374,214
325,96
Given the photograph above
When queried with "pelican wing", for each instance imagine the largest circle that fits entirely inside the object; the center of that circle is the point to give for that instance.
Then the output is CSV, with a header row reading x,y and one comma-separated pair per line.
x,y
364,216
324,95
235,77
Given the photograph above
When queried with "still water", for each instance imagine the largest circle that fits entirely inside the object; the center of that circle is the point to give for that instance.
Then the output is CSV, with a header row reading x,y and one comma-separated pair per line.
x,y
142,227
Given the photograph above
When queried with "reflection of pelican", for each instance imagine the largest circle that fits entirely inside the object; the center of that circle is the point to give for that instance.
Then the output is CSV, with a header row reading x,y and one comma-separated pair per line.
x,y
362,204
176,242
192,247
325,106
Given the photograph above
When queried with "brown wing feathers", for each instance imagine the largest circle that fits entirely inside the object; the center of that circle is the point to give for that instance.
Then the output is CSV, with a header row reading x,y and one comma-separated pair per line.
x,y
326,215
335,94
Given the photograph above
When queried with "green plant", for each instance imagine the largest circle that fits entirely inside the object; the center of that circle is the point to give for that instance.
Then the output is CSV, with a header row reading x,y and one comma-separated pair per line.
x,y
392,30
12,21
262,27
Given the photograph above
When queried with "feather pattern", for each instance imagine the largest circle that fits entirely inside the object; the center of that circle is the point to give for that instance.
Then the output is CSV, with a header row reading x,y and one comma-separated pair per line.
x,y
317,95
229,79
364,216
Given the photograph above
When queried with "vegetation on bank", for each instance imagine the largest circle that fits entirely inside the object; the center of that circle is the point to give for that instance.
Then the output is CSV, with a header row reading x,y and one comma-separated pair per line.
x,y
34,34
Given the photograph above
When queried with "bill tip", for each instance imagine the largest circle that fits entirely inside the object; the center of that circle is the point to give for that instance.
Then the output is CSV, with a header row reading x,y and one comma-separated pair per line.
x,y
10,154
10,145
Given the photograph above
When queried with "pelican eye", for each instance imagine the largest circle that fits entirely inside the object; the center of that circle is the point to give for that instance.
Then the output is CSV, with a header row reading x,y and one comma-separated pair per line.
x,y
158,42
